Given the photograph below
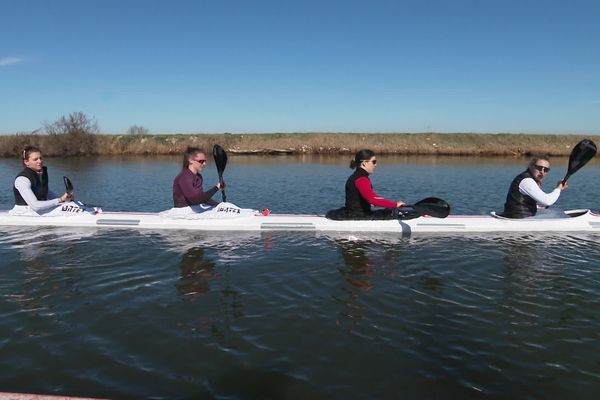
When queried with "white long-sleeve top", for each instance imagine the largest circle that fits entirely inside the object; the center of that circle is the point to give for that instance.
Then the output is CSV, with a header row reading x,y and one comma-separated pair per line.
x,y
529,187
23,185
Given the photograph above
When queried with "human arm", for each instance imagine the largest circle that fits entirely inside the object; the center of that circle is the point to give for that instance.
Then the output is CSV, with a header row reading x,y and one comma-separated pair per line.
x,y
363,185
529,187
23,185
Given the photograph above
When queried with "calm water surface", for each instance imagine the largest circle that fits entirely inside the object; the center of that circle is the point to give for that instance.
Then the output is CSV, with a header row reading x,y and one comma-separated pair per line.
x,y
136,314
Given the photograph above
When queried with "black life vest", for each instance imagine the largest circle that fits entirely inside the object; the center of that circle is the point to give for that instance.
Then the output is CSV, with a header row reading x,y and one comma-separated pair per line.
x,y
356,206
39,185
517,204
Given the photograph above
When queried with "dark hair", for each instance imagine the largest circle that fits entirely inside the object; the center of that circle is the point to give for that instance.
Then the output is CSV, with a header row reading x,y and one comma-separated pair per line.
x,y
190,152
537,157
27,150
360,156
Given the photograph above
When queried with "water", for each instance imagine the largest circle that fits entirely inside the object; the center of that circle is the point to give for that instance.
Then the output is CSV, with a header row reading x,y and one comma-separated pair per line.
x,y
130,314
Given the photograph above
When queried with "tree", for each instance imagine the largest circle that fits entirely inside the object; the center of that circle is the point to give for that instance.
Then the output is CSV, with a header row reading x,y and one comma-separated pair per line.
x,y
73,135
136,130
76,124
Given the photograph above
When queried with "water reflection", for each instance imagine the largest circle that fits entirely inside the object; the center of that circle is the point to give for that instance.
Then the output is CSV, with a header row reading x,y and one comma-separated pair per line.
x,y
196,273
363,263
33,243
45,271
530,261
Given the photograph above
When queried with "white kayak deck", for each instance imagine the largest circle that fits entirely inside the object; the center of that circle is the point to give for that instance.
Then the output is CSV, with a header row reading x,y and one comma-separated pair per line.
x,y
579,221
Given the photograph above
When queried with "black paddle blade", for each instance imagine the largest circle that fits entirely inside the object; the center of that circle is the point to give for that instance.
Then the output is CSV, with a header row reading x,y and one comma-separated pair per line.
x,y
220,159
433,207
583,152
68,185
221,162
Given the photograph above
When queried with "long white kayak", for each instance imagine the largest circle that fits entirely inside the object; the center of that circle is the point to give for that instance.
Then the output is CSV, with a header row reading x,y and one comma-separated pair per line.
x,y
578,221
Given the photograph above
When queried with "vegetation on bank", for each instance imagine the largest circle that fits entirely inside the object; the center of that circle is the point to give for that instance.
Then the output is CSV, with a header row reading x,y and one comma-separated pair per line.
x,y
78,135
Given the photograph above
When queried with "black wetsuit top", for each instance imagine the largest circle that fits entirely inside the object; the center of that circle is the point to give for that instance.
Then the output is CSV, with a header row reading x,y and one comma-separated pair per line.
x,y
517,204
39,185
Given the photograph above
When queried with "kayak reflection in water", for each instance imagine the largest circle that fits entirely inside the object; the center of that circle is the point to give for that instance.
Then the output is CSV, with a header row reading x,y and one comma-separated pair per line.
x,y
187,186
360,195
31,191
525,195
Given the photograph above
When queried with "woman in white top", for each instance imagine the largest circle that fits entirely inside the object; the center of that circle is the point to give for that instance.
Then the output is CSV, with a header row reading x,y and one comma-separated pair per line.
x,y
31,186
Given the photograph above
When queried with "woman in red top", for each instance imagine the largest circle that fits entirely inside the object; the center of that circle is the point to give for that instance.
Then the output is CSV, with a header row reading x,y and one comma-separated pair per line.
x,y
187,186
360,195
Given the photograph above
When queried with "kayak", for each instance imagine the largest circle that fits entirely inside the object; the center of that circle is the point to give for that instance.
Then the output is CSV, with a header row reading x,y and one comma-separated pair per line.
x,y
575,221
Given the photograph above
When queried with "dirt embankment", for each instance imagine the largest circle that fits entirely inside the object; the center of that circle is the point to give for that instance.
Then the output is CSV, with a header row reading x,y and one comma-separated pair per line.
x,y
297,143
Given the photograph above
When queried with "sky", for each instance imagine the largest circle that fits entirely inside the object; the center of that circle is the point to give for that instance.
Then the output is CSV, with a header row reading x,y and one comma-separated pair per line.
x,y
244,66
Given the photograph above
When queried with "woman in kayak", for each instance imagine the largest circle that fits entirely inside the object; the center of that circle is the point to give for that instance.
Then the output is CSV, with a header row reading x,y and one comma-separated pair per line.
x,y
31,186
525,195
360,195
187,186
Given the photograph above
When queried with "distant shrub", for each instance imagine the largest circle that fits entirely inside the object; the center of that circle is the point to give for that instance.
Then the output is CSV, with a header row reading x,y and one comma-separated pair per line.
x,y
137,130
72,135
76,123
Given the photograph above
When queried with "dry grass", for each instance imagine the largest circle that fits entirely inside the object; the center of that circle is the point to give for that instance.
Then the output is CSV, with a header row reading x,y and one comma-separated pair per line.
x,y
296,143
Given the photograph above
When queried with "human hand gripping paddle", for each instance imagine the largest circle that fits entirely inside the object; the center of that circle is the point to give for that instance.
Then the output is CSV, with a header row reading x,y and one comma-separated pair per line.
x,y
69,189
583,152
220,161
431,206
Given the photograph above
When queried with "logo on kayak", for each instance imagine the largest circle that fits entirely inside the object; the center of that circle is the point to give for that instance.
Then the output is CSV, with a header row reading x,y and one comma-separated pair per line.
x,y
72,209
233,210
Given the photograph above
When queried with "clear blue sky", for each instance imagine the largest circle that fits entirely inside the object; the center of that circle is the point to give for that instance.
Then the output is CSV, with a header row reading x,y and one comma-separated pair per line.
x,y
304,65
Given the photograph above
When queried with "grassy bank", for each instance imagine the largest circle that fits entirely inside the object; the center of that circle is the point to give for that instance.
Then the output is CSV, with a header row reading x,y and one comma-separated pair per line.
x,y
297,143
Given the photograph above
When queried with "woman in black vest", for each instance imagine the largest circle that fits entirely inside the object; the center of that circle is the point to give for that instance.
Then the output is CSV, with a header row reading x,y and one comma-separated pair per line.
x,y
360,195
31,185
525,194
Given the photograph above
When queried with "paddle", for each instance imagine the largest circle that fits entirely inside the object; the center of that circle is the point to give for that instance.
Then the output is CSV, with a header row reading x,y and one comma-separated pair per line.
x,y
69,189
431,206
580,155
220,161
68,185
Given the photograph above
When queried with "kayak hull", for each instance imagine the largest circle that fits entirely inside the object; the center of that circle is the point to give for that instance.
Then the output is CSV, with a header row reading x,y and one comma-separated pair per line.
x,y
581,221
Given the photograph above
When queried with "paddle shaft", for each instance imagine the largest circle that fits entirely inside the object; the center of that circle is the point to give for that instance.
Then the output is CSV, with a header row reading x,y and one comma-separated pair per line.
x,y
222,190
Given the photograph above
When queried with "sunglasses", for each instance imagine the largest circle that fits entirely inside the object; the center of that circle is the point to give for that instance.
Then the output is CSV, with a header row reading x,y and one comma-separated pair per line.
x,y
202,161
541,168
373,161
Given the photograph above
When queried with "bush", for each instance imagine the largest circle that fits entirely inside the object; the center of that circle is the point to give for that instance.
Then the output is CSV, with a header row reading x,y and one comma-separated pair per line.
x,y
136,130
73,135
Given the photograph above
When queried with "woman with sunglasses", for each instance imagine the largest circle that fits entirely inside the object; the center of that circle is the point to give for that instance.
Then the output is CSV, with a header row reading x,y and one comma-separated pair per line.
x,y
360,195
187,186
525,194
31,191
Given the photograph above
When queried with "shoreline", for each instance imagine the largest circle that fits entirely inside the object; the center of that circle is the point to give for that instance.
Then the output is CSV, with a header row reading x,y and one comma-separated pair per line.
x,y
443,144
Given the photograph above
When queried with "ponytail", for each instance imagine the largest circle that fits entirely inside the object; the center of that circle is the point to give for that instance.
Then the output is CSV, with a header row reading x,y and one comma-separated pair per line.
x,y
361,155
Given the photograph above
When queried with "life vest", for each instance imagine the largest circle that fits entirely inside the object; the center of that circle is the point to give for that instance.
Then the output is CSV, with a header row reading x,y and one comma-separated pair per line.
x,y
39,185
517,204
356,206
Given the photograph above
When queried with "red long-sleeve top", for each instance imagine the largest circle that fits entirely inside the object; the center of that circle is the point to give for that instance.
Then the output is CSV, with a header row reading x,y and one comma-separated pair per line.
x,y
363,184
